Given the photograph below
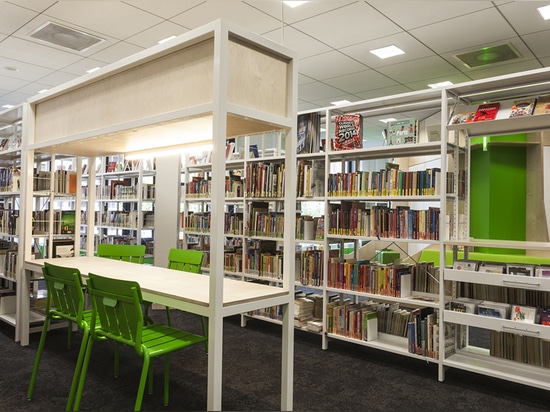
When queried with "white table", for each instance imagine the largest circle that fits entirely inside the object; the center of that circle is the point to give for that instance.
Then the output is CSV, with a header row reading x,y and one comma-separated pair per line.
x,y
190,292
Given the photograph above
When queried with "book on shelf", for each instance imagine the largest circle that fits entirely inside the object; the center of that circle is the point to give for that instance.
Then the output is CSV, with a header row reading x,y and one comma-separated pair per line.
x,y
309,133
370,325
492,267
542,271
520,269
543,105
229,150
465,305
464,117
545,316
348,132
523,107
68,218
404,131
486,112
494,309
522,313
472,265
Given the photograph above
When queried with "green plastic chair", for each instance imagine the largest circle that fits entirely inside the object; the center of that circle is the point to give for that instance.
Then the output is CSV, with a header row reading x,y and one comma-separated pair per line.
x,y
187,260
127,253
117,315
65,293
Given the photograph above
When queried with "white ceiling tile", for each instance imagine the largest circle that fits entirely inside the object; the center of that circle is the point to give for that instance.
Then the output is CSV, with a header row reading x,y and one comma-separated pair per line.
x,y
117,52
329,65
235,11
151,36
360,81
411,14
33,53
56,78
164,8
36,5
26,71
317,91
413,50
538,43
503,69
466,31
14,98
104,17
289,15
523,15
385,91
305,79
301,43
453,78
421,69
355,23
11,83
32,89
13,17
80,67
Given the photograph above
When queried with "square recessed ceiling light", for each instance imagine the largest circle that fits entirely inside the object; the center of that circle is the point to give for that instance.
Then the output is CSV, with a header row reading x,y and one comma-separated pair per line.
x,y
489,55
440,84
388,51
340,102
293,4
65,37
544,12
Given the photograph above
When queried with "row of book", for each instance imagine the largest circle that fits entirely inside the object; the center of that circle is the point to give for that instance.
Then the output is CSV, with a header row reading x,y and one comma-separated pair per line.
x,y
311,176
518,269
8,221
265,179
10,179
396,280
310,267
520,348
526,106
493,293
10,262
63,221
64,181
351,218
502,310
388,183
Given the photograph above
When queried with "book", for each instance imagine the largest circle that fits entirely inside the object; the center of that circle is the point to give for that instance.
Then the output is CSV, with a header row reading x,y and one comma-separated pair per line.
x,y
466,265
520,270
545,317
492,267
542,271
520,313
309,133
402,131
543,105
461,118
494,309
523,107
348,131
486,112
68,221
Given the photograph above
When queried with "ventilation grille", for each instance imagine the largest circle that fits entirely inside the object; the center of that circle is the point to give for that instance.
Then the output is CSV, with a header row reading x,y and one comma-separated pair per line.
x,y
489,55
65,37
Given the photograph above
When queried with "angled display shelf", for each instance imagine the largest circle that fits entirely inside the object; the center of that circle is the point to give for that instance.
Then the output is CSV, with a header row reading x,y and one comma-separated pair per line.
x,y
205,86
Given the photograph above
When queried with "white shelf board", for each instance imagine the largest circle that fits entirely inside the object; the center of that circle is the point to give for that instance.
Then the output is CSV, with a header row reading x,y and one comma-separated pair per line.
x,y
497,279
504,244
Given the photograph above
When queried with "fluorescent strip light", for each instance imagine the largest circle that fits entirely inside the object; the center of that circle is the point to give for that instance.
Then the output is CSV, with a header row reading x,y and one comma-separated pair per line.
x,y
166,39
8,106
340,102
95,69
544,12
42,91
169,150
386,52
294,4
389,119
440,84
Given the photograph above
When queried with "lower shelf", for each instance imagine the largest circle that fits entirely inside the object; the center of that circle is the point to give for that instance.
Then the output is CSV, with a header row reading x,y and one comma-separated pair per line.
x,y
478,360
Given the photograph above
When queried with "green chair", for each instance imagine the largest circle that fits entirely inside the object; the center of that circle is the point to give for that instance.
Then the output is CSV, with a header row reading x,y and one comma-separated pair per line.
x,y
65,301
187,260
127,253
117,315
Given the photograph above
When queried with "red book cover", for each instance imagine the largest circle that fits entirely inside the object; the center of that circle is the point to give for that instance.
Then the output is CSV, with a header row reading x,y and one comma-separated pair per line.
x,y
348,132
486,112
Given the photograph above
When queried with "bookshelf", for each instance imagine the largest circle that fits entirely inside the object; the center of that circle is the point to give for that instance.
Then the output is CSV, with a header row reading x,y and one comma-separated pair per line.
x,y
10,164
512,350
210,84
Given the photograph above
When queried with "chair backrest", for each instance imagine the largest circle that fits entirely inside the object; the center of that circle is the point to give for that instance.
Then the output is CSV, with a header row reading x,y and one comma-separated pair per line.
x,y
116,310
128,253
65,292
187,260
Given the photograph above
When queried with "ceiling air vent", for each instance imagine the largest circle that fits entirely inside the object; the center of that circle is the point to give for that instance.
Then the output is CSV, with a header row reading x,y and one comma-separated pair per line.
x,y
489,55
65,37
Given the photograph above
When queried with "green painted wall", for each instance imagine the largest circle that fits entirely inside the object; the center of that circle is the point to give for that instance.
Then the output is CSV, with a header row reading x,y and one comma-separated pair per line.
x,y
498,194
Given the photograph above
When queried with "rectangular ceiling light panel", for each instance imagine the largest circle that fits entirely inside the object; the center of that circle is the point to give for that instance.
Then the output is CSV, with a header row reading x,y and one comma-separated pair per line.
x,y
66,37
489,55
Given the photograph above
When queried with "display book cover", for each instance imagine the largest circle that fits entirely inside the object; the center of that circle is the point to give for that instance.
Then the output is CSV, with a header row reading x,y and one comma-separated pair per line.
x,y
487,111
404,131
494,309
523,107
348,134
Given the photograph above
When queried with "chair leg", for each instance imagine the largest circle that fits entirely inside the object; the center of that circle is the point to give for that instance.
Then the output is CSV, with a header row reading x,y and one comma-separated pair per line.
x,y
83,371
38,357
168,316
117,360
69,335
78,368
204,331
142,381
166,378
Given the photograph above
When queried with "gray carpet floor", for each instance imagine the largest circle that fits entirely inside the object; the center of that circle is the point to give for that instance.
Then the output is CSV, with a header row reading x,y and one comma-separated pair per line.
x,y
345,377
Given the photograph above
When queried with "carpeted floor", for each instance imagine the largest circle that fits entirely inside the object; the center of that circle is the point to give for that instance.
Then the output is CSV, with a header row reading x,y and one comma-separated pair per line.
x,y
345,377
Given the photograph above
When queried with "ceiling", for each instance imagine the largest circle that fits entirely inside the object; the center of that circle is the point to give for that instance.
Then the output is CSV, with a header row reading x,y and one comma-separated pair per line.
x,y
332,37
